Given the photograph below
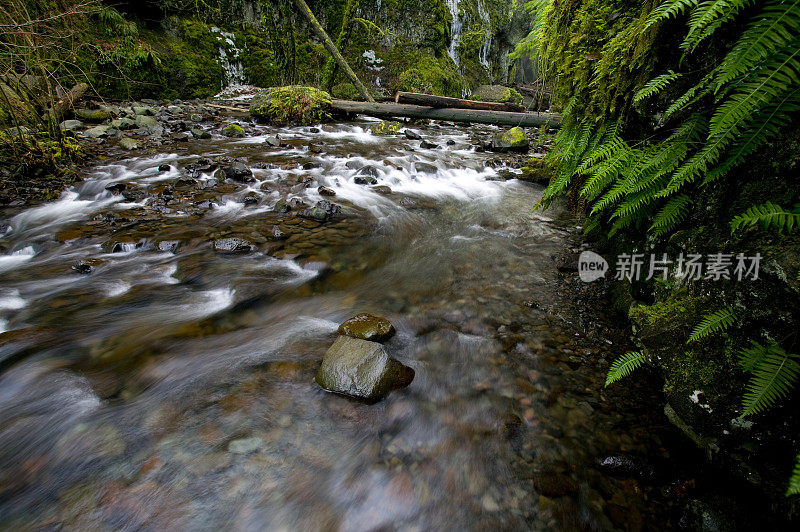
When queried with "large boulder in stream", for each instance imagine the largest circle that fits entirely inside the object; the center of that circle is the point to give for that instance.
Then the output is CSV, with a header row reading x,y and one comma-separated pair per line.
x,y
362,369
513,140
291,105
367,327
497,94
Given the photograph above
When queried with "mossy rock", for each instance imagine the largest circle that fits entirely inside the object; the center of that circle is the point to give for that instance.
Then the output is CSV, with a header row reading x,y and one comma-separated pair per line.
x,y
233,131
536,171
513,140
386,127
291,105
496,93
368,327
428,75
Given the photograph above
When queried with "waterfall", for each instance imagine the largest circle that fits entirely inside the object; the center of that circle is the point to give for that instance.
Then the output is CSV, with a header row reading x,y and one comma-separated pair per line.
x,y
456,27
486,47
229,58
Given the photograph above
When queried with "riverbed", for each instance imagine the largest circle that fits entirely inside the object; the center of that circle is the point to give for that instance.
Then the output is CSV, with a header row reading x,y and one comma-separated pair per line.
x,y
163,321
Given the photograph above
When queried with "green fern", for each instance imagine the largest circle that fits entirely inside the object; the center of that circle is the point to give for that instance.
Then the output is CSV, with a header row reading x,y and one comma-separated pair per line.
x,y
713,323
655,85
774,374
794,481
769,216
625,365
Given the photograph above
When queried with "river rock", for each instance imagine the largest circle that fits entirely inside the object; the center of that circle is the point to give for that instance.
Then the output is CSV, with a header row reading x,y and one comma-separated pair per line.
x,y
425,168
425,145
367,327
412,135
386,127
325,191
367,176
232,245
144,121
129,144
496,93
71,125
97,132
123,124
200,133
359,368
141,110
237,172
513,140
233,131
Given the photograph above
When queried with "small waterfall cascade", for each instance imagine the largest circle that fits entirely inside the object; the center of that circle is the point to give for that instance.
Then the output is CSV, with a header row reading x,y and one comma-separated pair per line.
x,y
486,47
229,58
456,30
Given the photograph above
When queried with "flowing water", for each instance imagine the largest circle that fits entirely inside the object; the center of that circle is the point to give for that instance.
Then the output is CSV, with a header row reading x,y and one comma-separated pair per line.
x,y
149,382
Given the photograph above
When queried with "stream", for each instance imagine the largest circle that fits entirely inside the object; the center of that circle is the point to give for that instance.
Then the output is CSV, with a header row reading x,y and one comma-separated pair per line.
x,y
162,326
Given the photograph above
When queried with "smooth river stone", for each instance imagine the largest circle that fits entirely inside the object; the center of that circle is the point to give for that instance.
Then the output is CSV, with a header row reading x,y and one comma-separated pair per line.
x,y
363,369
367,327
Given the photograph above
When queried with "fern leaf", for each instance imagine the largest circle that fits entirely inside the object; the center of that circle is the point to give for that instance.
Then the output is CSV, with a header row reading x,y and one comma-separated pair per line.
x,y
713,323
769,216
772,81
774,374
655,85
774,28
671,214
624,366
709,17
702,89
794,480
669,9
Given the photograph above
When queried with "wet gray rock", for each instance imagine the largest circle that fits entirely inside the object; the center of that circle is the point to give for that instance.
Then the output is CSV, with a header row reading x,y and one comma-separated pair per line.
x,y
232,245
146,121
141,110
164,168
368,175
71,125
368,327
123,124
97,132
325,191
182,136
363,369
412,135
382,189
129,144
425,145
237,172
275,141
426,168
200,133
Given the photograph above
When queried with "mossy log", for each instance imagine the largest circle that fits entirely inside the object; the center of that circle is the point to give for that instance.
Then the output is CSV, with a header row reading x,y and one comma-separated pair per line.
x,y
392,110
331,47
440,102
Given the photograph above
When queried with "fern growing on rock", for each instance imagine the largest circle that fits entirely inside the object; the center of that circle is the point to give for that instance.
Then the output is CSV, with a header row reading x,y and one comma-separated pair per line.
x,y
774,374
625,365
713,323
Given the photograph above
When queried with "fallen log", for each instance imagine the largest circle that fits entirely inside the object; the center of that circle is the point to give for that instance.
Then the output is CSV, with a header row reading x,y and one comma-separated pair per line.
x,y
66,101
399,110
445,102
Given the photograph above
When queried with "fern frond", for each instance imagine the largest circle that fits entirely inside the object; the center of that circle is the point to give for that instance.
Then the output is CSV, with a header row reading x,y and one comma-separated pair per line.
x,y
713,323
671,214
624,366
702,89
655,85
669,9
772,81
774,28
773,376
709,17
708,14
769,216
794,480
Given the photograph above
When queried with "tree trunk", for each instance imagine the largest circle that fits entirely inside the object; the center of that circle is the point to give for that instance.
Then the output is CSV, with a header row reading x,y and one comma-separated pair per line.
x,y
454,103
394,110
66,102
331,47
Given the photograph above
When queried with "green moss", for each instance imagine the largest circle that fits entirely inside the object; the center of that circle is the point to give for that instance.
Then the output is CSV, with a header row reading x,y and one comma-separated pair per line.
x,y
386,127
497,93
346,91
233,130
429,75
292,105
